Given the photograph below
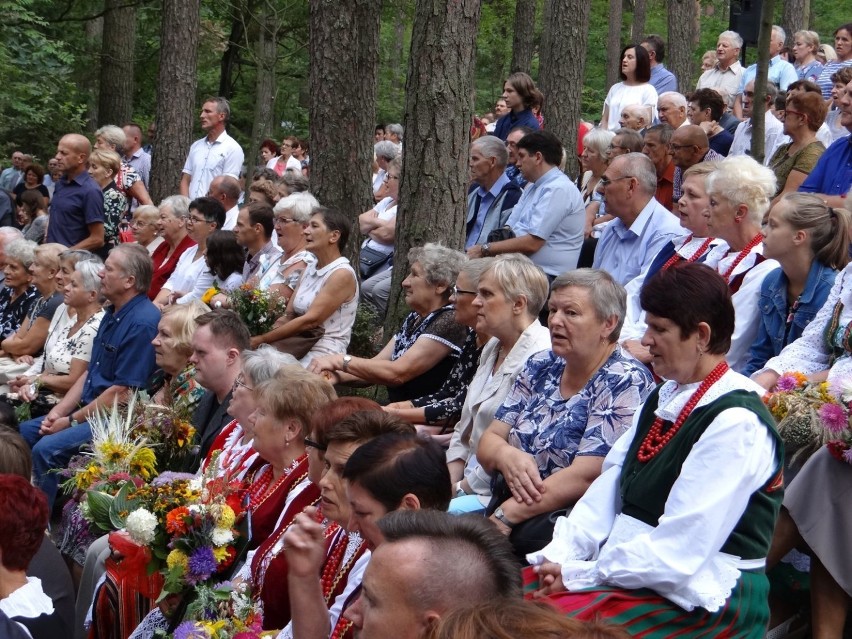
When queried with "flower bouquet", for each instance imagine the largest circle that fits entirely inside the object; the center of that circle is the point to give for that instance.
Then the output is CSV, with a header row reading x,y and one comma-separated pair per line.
x,y
257,308
168,429
813,414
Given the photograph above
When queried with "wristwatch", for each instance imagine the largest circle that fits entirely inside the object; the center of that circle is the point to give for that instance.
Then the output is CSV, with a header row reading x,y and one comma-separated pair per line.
x,y
486,250
346,360
71,421
500,516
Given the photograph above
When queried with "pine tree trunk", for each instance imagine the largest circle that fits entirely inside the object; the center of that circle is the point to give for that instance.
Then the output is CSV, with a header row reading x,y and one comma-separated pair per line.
x,y
683,38
438,114
176,106
264,100
115,105
523,41
613,42
229,57
638,31
758,132
563,65
90,82
344,44
796,15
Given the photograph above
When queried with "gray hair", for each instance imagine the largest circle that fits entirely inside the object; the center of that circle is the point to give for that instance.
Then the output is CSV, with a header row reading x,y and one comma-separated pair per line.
x,y
492,147
640,166
664,130
222,106
261,365
89,271
475,268
386,149
441,264
113,135
740,179
517,276
179,204
733,37
300,205
630,139
75,256
395,129
598,140
147,212
9,234
22,251
608,296
136,264
779,31
295,182
678,99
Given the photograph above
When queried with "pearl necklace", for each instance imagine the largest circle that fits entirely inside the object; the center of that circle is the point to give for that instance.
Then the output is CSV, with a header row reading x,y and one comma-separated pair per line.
x,y
757,239
656,440
676,257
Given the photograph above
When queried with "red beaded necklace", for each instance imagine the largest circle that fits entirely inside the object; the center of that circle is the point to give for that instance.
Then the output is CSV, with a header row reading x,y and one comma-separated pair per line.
x,y
656,440
674,259
757,239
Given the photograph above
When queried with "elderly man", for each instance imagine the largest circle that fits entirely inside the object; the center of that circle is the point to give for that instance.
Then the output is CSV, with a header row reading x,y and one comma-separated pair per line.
x,y
122,360
662,79
706,108
657,149
625,141
642,226
10,177
385,151
217,153
513,171
492,195
393,133
430,563
77,207
635,117
226,190
832,175
727,71
549,218
781,72
671,109
774,129
689,146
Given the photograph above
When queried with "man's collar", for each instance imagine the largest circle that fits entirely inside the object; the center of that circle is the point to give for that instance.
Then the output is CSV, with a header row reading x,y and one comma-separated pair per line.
x,y
495,189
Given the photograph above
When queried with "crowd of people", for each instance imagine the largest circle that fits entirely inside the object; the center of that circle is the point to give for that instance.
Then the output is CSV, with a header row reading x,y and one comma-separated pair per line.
x,y
573,441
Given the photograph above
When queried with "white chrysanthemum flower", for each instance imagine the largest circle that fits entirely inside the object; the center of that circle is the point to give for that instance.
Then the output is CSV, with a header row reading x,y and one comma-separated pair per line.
x,y
221,536
142,526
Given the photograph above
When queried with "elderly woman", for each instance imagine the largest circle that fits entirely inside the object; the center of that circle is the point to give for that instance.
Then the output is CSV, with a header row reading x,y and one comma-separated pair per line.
x,y
292,217
144,227
740,190
32,216
792,162
508,298
566,409
104,167
385,151
805,47
634,88
127,180
594,161
291,182
18,294
674,533
322,308
174,212
420,356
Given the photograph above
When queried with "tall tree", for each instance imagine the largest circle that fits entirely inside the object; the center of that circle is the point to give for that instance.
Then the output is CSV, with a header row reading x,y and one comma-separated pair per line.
x,y
563,66
115,105
438,114
613,42
344,44
638,31
795,18
683,33
758,131
176,108
264,101
523,40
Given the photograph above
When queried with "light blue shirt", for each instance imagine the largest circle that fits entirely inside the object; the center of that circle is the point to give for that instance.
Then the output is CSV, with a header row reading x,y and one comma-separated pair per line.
x,y
626,252
486,200
551,209
781,72
662,79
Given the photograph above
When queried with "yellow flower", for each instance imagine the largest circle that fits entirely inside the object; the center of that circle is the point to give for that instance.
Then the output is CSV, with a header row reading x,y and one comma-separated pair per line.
x,y
144,463
227,517
220,553
177,558
209,294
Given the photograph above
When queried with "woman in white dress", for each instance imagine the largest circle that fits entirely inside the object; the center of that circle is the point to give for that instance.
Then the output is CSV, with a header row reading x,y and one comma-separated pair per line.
x,y
635,87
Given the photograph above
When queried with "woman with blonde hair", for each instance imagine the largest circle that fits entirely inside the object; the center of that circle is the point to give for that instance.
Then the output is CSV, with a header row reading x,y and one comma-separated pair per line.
x,y
104,167
144,227
805,48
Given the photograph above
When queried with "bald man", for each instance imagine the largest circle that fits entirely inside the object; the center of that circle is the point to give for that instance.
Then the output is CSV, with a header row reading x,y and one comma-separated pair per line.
x,y
689,146
227,190
77,207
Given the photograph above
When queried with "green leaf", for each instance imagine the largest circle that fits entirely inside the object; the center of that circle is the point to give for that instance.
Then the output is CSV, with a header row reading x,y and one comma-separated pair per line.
x,y
122,506
99,509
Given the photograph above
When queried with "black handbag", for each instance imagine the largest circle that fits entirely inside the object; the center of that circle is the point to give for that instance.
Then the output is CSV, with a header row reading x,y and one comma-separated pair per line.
x,y
371,261
498,235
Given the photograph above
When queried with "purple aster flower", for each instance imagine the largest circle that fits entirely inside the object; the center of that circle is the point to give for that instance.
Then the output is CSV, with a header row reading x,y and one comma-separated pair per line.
x,y
833,417
187,630
847,455
786,383
202,564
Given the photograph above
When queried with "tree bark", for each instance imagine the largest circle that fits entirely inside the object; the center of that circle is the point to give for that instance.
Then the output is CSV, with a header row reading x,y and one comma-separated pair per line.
x,y
523,40
638,31
683,38
115,105
344,45
795,18
613,42
563,65
176,107
758,131
229,57
264,101
90,82
438,114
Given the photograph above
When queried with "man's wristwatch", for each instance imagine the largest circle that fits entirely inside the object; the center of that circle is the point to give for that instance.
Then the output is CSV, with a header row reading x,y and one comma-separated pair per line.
x,y
346,360
71,421
486,250
500,516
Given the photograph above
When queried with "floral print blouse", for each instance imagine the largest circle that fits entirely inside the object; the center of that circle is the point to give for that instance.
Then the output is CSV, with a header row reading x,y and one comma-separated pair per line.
x,y
446,404
13,312
553,429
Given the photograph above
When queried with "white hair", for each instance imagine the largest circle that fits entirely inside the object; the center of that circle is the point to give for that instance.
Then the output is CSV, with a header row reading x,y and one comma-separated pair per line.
x,y
733,37
677,99
740,179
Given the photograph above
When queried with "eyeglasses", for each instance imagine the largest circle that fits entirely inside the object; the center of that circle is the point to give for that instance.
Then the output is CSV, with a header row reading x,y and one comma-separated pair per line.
x,y
138,223
460,291
617,146
284,220
799,113
191,219
605,181
241,381
312,444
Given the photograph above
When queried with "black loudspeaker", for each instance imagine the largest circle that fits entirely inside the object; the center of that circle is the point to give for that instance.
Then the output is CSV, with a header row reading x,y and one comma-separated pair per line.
x,y
745,19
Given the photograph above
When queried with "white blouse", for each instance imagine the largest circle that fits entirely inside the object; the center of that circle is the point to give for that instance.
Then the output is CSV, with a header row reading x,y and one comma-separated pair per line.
x,y
191,277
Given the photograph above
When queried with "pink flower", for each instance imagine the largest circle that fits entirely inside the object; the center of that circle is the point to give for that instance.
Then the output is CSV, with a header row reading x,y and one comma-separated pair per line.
x,y
787,382
847,455
833,417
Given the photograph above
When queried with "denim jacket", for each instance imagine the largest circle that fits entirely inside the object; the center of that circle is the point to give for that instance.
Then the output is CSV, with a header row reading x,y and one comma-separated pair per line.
x,y
771,337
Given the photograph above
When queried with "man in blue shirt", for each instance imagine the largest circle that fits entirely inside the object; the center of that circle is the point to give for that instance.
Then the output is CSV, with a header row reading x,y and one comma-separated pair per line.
x,y
77,207
662,79
549,217
781,72
492,195
831,178
122,360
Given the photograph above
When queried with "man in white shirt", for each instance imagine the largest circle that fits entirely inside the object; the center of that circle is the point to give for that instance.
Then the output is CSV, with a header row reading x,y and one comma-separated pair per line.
x,y
727,71
671,109
215,154
774,130
227,190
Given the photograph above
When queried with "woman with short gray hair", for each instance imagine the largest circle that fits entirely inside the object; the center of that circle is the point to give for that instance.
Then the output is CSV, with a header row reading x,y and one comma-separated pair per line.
x,y
565,410
19,294
128,181
418,359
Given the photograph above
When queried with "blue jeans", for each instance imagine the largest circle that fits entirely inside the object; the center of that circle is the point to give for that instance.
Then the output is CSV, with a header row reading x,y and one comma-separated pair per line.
x,y
53,452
